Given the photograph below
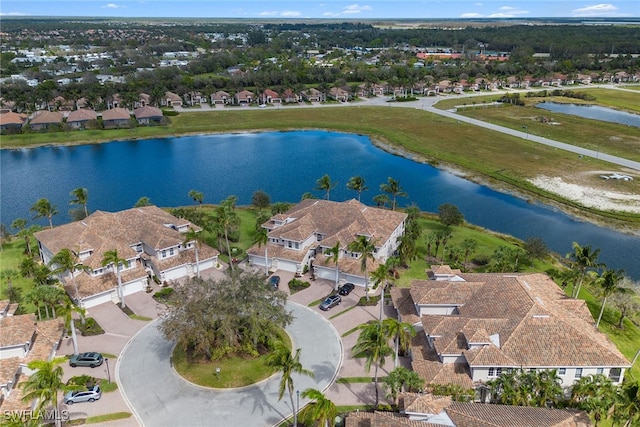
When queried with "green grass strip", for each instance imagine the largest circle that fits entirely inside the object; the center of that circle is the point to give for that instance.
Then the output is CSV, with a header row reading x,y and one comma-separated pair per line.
x,y
108,417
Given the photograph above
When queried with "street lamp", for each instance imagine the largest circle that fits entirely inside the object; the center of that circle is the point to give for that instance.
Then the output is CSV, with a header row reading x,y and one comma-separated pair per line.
x,y
106,360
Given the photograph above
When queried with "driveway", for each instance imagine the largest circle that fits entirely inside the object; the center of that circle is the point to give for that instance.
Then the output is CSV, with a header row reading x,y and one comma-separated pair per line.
x,y
160,397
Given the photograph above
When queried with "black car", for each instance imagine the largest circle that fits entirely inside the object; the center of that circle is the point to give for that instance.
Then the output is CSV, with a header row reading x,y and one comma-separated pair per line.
x,y
346,289
274,281
330,301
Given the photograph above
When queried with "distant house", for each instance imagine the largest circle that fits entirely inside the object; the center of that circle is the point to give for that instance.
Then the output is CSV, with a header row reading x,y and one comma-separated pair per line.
x,y
289,96
11,122
150,240
79,119
270,97
475,326
116,118
244,97
59,103
220,97
143,100
301,236
195,98
45,120
171,100
313,95
339,94
148,115
114,101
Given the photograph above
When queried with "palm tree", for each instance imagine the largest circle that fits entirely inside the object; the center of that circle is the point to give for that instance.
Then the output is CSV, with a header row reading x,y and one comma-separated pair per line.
x,y
609,283
365,247
44,209
197,197
334,257
227,219
356,183
627,407
142,201
81,196
373,346
381,200
262,238
325,184
393,188
282,360
468,248
401,332
379,277
582,259
322,411
594,393
21,225
67,261
112,257
401,379
45,384
193,236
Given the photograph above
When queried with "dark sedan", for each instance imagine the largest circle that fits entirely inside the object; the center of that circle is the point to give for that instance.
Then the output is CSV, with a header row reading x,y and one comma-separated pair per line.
x,y
346,289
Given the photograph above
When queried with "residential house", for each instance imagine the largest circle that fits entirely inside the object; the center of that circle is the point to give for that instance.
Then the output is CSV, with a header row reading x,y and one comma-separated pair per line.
x,y
299,238
339,94
148,115
220,97
116,118
114,101
11,122
244,97
45,120
79,119
150,240
289,96
171,100
195,98
313,95
23,340
59,103
270,97
427,410
143,100
474,326
584,79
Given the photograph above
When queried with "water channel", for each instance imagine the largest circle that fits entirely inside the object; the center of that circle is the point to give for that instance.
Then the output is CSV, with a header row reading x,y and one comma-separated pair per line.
x,y
285,165
594,112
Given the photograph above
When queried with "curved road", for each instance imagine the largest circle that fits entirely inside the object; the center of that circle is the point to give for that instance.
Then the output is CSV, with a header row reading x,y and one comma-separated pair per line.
x,y
158,396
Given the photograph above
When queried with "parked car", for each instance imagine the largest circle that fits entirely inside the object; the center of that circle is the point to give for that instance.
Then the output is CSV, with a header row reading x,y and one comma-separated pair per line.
x,y
90,359
90,395
330,301
346,289
274,281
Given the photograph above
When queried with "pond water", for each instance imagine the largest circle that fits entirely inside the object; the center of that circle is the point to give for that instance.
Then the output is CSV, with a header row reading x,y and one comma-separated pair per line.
x,y
595,112
285,165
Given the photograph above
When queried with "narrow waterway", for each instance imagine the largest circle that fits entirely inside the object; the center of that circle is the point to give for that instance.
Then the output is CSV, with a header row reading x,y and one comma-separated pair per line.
x,y
594,112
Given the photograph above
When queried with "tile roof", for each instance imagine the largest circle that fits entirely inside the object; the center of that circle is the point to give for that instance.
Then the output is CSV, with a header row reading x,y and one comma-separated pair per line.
x,y
46,117
8,369
11,118
17,330
384,419
423,403
147,112
116,114
81,115
478,414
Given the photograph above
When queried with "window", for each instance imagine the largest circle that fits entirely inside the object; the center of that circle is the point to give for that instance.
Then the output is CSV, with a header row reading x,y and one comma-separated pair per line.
x,y
615,374
578,373
498,372
562,371
171,251
164,254
532,370
600,371
491,372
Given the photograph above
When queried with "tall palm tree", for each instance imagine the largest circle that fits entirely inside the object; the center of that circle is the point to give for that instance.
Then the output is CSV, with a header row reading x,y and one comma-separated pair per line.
x,y
43,208
379,277
197,197
81,197
583,258
227,219
67,261
393,189
282,360
401,332
262,238
594,394
373,346
609,283
469,246
381,200
112,257
334,256
193,236
45,384
356,183
21,225
325,184
321,411
365,248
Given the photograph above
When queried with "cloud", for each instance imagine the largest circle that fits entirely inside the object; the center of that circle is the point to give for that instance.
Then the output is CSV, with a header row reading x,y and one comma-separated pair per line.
x,y
596,10
14,14
508,12
352,9
113,6
478,4
283,13
290,13
471,15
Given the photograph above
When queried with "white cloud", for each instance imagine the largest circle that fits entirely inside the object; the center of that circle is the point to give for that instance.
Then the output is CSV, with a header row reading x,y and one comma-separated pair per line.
x,y
112,6
268,13
471,15
602,9
14,14
478,4
355,8
290,13
508,12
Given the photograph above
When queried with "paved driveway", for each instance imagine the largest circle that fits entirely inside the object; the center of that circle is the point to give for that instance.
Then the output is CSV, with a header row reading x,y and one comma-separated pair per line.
x,y
160,397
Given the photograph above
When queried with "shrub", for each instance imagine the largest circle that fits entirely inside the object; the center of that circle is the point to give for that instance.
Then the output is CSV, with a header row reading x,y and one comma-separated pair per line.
x,y
481,259
163,294
90,327
296,285
373,300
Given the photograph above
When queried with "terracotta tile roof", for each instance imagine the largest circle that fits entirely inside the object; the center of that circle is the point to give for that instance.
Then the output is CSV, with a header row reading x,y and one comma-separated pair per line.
x,y
48,336
46,117
423,403
11,118
14,401
147,112
383,419
475,415
81,115
17,330
8,369
443,373
403,303
220,95
88,285
116,114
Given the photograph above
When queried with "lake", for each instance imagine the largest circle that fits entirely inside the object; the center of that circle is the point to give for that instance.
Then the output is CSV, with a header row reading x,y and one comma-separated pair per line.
x,y
594,112
285,165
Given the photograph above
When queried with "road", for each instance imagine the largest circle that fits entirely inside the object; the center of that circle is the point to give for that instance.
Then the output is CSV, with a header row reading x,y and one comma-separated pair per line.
x,y
159,397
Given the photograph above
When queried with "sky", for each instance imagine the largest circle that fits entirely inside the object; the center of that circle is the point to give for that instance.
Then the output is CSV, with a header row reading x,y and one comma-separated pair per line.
x,y
327,9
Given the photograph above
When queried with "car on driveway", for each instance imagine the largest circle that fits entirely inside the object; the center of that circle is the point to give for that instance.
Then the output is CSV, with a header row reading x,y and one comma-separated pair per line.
x,y
90,359
330,301
274,281
89,395
346,289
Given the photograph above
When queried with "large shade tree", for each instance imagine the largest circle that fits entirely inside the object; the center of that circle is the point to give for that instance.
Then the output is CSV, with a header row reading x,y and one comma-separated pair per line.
x,y
238,313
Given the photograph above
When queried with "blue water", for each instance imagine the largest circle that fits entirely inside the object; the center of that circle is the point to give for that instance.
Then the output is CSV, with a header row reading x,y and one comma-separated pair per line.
x,y
285,165
593,112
